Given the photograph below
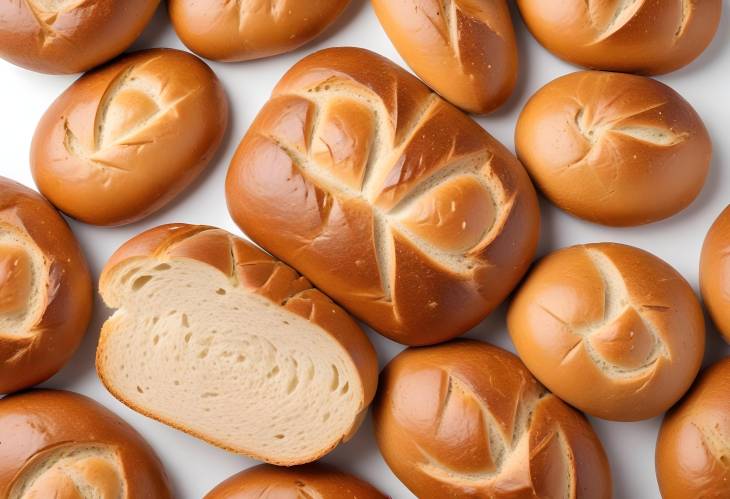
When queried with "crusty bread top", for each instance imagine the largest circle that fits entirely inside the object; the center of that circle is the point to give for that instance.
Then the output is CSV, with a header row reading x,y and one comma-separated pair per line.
x,y
45,289
467,419
634,36
613,148
464,49
393,202
318,481
693,447
124,140
611,329
715,272
60,444
69,36
250,29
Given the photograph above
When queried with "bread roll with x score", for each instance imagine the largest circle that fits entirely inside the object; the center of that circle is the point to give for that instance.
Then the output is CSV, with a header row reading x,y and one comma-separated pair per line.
x,y
45,289
467,419
693,447
61,445
390,200
216,338
465,50
613,148
715,273
632,36
125,139
611,329
310,481
250,29
69,36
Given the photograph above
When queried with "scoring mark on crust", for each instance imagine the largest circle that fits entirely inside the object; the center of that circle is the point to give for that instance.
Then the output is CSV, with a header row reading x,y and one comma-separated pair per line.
x,y
380,162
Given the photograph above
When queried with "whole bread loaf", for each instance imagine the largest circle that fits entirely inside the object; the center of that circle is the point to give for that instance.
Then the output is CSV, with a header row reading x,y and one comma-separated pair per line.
x,y
389,199
45,289
466,419
70,36
715,272
60,445
633,36
216,338
250,29
464,49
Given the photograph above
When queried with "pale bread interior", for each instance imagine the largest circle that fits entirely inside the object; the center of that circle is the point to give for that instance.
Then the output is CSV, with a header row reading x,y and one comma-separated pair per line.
x,y
194,350
75,471
20,322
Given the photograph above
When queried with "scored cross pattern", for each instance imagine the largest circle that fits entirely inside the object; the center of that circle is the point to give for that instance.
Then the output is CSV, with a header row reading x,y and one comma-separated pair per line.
x,y
72,470
132,103
623,323
46,12
246,8
404,200
507,446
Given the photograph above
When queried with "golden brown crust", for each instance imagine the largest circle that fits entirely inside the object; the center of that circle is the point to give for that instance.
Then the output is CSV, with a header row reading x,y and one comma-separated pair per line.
x,y
397,156
633,36
259,273
35,426
467,419
464,49
51,330
610,329
715,273
313,480
125,139
693,447
242,30
69,36
613,148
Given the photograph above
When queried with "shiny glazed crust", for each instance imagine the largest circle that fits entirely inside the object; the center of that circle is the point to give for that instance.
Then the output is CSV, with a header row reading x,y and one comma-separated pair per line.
x,y
635,36
125,139
693,447
464,49
467,419
50,311
69,36
715,273
387,198
313,480
242,30
613,148
38,427
610,329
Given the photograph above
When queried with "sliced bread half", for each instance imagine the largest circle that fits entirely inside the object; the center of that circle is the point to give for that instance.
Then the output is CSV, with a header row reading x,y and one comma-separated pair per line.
x,y
218,339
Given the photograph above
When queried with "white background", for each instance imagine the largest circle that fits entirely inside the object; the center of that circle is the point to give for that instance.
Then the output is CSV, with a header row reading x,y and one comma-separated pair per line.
x,y
194,466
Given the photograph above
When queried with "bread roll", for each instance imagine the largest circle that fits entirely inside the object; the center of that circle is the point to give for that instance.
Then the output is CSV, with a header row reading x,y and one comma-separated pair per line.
x,y
466,419
69,36
465,51
61,445
124,140
310,481
694,442
388,199
610,329
45,289
614,149
715,273
216,338
250,29
633,36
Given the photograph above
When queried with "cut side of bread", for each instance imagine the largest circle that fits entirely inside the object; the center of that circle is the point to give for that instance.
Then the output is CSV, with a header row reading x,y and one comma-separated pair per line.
x,y
218,339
